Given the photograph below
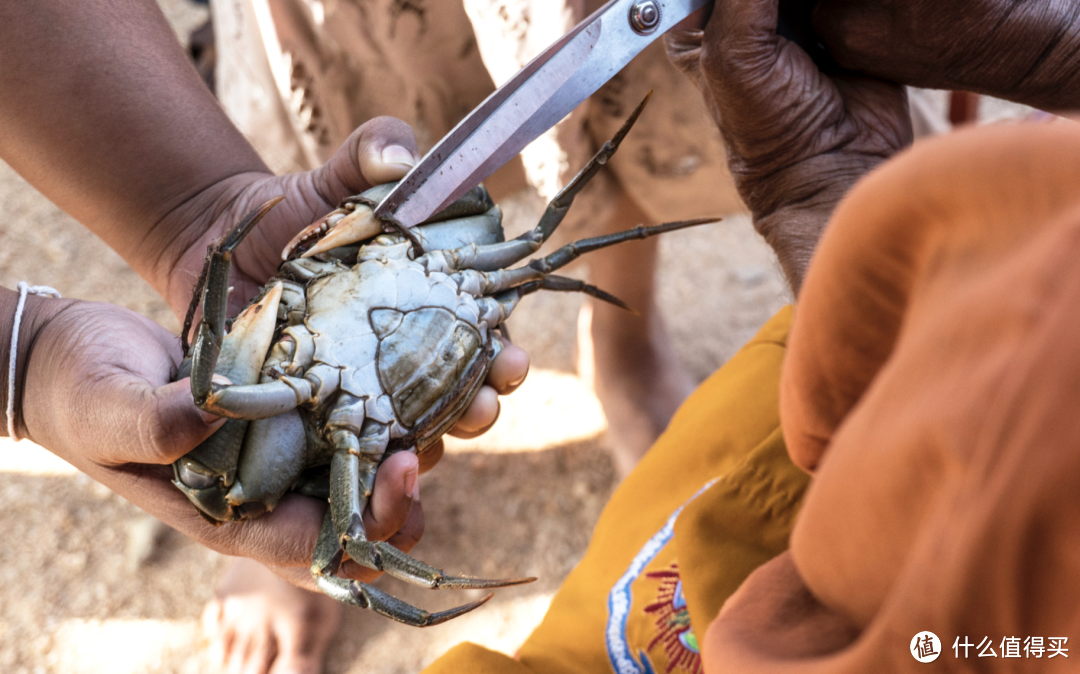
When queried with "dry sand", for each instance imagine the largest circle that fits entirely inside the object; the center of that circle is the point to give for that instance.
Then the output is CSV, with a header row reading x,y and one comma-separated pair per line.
x,y
80,596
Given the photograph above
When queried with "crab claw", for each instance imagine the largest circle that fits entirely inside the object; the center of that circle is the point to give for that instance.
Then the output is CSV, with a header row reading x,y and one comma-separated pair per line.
x,y
244,348
353,227
340,227
313,231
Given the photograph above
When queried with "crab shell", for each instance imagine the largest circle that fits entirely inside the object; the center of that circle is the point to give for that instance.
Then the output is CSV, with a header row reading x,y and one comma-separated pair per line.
x,y
390,342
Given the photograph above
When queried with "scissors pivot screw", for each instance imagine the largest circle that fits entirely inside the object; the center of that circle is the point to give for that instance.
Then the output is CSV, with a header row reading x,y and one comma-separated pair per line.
x,y
645,17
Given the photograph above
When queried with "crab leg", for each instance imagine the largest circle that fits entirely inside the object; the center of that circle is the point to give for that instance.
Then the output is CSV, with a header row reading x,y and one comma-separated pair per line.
x,y
328,551
256,401
570,285
211,331
502,255
495,310
537,270
365,596
558,207
352,477
214,460
572,251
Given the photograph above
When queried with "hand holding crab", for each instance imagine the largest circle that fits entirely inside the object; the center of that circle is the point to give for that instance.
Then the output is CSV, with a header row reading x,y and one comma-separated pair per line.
x,y
354,353
94,381
97,391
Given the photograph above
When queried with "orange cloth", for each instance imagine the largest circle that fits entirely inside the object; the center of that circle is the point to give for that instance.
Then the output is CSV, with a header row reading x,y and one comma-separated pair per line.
x,y
649,577
932,382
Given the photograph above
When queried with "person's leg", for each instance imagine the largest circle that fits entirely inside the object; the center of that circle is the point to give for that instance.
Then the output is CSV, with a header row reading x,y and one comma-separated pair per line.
x,y
671,166
628,356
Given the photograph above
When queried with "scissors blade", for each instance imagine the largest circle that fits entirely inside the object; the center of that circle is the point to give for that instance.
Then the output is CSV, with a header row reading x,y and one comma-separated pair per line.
x,y
531,102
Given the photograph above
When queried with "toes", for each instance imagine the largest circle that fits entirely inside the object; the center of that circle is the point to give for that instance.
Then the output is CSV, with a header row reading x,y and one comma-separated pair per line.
x,y
215,630
303,635
297,664
251,649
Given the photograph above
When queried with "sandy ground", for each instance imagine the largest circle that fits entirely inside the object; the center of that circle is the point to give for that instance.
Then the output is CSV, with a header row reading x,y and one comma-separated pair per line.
x,y
80,595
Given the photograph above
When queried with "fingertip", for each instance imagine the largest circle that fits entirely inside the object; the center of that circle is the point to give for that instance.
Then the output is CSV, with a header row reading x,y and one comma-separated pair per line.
x,y
400,463
392,496
396,155
509,369
481,415
412,531
173,424
386,150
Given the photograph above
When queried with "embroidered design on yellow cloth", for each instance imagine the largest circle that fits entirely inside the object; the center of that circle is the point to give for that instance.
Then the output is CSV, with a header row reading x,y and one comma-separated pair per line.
x,y
673,629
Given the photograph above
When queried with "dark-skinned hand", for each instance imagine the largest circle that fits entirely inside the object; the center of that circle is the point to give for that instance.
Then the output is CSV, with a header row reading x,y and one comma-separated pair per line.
x,y
1021,51
797,139
379,151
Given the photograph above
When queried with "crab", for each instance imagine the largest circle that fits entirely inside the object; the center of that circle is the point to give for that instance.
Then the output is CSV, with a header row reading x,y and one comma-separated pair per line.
x,y
365,343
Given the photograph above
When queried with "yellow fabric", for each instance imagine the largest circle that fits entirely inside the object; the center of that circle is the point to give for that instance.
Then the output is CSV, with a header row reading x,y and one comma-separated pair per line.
x,y
727,433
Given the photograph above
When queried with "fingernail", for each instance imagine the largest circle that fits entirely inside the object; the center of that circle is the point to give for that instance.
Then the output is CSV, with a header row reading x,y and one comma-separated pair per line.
x,y
411,484
395,154
521,380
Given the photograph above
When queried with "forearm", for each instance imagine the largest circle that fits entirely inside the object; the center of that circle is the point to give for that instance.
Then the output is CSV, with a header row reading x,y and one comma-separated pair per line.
x,y
1025,52
1050,79
103,114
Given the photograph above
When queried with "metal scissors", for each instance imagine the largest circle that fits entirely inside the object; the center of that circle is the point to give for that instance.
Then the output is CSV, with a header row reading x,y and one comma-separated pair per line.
x,y
534,100
548,89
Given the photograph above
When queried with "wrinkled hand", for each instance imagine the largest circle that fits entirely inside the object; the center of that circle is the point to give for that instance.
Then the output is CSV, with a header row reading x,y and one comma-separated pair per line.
x,y
1022,51
98,393
796,139
382,150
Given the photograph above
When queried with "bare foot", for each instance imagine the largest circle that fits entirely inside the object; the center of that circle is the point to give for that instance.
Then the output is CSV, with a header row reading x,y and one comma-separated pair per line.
x,y
259,624
634,370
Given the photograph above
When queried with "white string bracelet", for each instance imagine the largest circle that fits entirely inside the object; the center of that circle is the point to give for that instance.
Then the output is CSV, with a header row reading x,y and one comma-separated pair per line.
x,y
24,289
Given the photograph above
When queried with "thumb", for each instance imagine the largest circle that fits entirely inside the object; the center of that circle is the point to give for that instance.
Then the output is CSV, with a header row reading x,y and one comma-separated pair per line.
x,y
164,423
381,150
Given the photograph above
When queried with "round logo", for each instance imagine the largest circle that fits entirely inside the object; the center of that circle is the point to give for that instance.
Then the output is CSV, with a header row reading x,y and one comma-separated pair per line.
x,y
925,647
